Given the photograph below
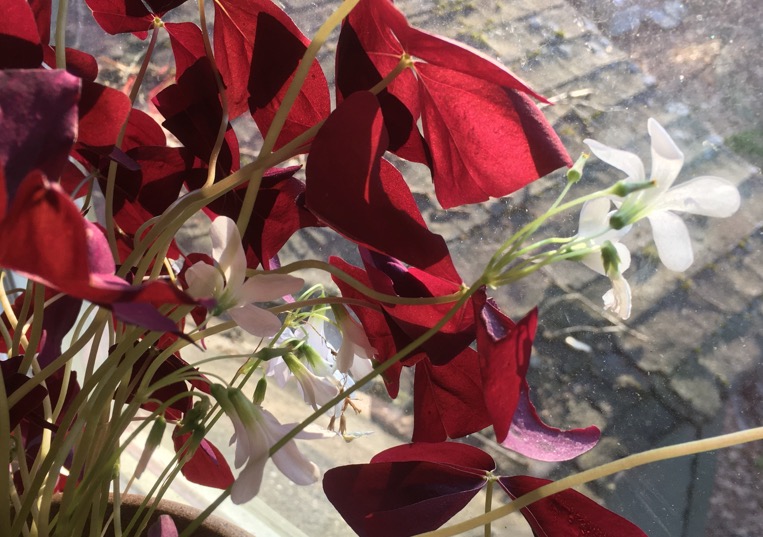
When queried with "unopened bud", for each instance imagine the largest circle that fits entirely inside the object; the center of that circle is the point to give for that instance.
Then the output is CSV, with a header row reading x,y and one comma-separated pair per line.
x,y
154,439
576,172
610,258
623,188
259,391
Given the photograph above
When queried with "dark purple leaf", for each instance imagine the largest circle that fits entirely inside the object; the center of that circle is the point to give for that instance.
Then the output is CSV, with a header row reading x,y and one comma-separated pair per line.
x,y
397,499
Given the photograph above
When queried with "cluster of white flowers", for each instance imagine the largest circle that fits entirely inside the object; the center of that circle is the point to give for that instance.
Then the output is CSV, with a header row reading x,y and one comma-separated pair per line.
x,y
599,226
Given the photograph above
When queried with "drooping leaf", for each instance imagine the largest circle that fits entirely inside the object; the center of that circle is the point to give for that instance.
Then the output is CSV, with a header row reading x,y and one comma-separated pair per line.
x,y
504,350
277,53
567,513
396,499
363,197
122,16
448,399
359,63
472,109
207,466
102,112
531,437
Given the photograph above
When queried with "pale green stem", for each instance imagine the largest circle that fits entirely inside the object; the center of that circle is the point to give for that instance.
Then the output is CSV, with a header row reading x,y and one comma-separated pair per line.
x,y
364,289
604,470
223,98
112,173
5,455
63,11
488,504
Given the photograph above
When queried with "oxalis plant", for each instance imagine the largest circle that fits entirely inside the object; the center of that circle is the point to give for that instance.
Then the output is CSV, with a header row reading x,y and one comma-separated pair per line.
x,y
93,197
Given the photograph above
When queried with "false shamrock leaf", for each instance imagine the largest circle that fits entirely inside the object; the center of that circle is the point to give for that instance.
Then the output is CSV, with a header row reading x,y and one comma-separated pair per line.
x,y
448,399
407,490
129,16
531,437
193,113
363,197
206,466
474,112
504,352
19,39
567,512
258,48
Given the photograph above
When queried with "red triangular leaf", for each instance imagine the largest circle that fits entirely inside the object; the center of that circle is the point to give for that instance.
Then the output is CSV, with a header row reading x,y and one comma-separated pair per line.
x,y
567,513
448,400
365,198
246,63
207,466
19,38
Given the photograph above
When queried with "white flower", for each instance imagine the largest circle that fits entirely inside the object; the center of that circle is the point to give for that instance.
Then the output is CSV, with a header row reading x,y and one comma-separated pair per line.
x,y
594,231
355,344
256,431
706,195
226,282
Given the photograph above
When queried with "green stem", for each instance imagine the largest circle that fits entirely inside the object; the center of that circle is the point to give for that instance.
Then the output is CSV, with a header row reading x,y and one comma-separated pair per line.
x,y
211,171
63,11
112,173
364,289
5,455
507,252
488,504
627,463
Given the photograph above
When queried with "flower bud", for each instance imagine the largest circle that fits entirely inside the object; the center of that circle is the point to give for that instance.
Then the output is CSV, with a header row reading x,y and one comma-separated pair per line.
x,y
154,439
259,391
610,258
576,172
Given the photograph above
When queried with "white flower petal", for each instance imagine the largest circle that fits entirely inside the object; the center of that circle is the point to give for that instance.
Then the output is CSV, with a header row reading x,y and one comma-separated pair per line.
x,y
265,287
204,281
625,256
622,160
618,299
228,251
247,484
361,367
353,330
295,466
256,321
706,195
672,240
667,159
594,217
